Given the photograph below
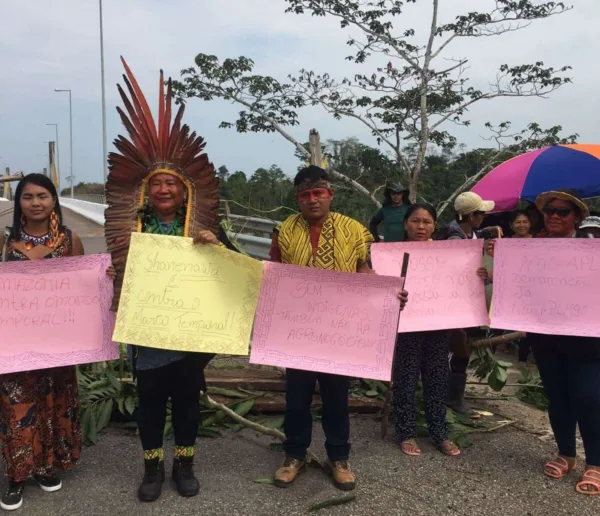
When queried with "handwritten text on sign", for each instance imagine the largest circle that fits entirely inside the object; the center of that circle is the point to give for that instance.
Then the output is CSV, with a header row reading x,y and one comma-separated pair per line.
x,y
332,322
442,283
55,313
180,296
549,286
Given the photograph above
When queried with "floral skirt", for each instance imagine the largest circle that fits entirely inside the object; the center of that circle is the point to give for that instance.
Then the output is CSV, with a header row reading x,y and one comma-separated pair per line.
x,y
39,422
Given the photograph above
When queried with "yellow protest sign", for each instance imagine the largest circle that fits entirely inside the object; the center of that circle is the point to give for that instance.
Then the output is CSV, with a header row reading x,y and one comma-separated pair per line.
x,y
181,296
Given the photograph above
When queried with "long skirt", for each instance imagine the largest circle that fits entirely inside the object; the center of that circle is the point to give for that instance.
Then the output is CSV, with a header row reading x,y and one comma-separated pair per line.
x,y
39,422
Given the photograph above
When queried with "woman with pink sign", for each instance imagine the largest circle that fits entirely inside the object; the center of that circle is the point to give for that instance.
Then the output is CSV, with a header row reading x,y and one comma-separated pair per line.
x,y
425,355
39,410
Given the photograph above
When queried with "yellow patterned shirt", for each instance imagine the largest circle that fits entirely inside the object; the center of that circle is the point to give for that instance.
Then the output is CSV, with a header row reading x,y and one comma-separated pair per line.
x,y
344,244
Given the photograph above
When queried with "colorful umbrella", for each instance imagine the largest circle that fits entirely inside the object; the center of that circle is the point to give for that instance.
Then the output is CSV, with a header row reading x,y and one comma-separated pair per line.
x,y
560,167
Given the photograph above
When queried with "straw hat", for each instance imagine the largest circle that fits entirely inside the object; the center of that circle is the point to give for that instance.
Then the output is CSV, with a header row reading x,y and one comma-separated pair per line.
x,y
546,197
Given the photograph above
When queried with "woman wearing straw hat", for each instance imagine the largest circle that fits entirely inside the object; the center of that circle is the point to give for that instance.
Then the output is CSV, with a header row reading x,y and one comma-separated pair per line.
x,y
569,366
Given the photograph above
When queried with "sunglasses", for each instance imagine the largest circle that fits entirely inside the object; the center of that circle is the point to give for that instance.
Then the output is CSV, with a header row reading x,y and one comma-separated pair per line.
x,y
313,194
561,212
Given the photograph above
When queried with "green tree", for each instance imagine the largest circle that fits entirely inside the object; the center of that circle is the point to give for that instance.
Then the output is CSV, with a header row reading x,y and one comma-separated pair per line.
x,y
412,93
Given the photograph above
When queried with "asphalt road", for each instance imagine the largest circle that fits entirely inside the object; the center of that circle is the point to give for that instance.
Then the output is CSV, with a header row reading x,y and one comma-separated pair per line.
x,y
500,474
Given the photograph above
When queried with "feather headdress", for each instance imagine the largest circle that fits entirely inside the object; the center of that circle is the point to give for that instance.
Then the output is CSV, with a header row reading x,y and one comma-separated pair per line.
x,y
163,149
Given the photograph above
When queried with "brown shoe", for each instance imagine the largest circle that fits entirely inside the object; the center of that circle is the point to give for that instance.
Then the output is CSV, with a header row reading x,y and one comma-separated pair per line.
x,y
343,478
288,472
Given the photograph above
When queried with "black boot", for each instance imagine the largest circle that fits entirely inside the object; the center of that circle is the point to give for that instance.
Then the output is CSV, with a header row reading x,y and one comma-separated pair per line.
x,y
183,475
455,400
154,476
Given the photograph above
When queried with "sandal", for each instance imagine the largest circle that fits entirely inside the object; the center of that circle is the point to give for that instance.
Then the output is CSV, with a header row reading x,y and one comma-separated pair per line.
x,y
448,448
410,448
559,469
590,478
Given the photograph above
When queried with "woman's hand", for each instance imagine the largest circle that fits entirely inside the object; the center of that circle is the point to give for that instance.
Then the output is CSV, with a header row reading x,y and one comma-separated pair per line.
x,y
403,297
111,272
483,273
498,231
206,237
489,247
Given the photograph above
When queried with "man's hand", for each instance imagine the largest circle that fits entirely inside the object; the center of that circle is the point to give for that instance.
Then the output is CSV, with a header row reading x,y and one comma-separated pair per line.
x,y
206,237
489,247
403,297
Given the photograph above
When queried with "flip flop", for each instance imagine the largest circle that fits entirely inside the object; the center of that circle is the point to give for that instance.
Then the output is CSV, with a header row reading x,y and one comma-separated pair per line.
x,y
590,478
558,469
449,449
416,451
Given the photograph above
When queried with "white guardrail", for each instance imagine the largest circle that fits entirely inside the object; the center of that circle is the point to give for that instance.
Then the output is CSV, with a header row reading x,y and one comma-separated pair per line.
x,y
254,245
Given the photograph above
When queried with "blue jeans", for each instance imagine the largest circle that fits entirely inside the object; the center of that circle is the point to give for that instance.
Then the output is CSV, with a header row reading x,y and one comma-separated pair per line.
x,y
573,389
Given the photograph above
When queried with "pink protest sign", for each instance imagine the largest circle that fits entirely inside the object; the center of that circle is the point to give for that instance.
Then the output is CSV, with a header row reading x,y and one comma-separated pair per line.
x,y
547,285
331,322
444,291
55,313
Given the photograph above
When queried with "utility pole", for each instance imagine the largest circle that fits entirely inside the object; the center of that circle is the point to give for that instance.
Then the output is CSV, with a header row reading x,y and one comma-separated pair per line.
x,y
104,145
72,177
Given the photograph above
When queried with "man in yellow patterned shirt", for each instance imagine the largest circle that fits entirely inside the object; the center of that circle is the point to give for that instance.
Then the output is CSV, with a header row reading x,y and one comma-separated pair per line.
x,y
319,238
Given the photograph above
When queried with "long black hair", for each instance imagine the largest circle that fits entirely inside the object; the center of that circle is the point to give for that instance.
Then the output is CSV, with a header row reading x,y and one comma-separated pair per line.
x,y
38,180
387,197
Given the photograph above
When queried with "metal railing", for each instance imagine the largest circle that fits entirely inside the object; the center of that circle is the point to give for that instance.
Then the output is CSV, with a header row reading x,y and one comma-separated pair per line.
x,y
252,234
95,198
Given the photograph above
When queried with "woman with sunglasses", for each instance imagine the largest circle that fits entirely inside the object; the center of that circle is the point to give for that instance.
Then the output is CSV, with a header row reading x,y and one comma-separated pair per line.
x,y
569,366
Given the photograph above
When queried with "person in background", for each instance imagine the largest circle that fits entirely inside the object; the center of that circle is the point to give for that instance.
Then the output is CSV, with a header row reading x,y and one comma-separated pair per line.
x,y
590,228
39,410
520,224
423,354
536,219
322,239
392,214
470,211
569,366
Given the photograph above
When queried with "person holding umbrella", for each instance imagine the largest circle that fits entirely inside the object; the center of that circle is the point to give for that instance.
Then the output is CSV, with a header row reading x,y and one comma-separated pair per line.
x,y
395,205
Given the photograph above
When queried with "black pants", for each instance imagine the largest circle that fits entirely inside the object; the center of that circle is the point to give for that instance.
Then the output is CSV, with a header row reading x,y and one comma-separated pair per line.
x,y
423,354
300,387
573,389
181,381
524,349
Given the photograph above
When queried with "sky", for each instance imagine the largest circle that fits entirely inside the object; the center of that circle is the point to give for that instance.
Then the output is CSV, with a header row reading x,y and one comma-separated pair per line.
x,y
47,45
